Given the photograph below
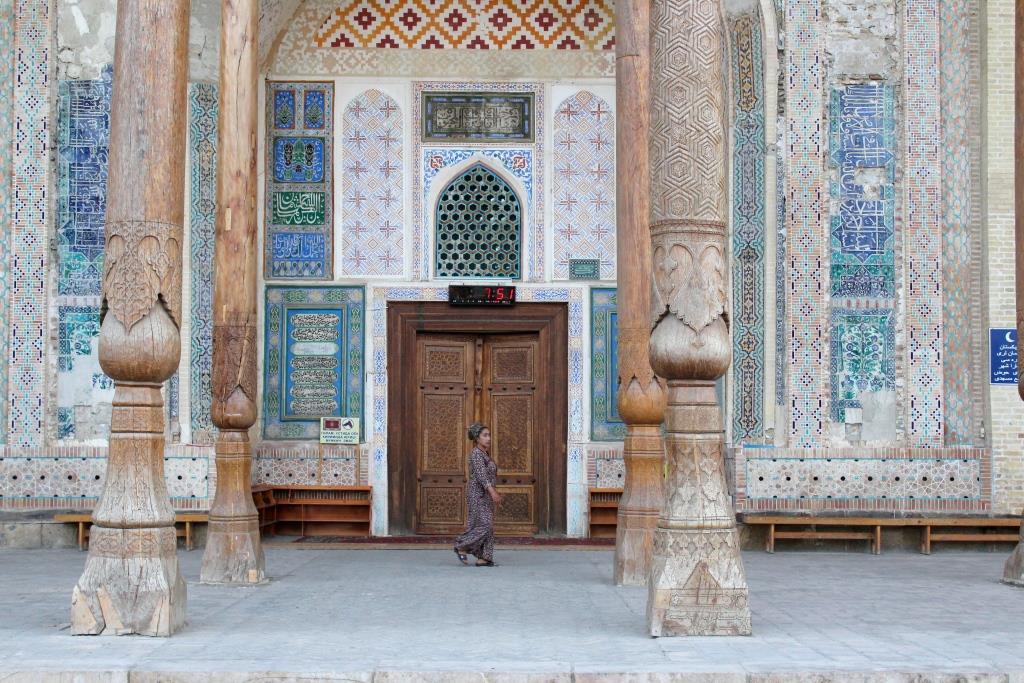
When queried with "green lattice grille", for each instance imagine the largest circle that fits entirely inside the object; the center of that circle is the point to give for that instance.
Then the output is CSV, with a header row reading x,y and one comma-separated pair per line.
x,y
479,223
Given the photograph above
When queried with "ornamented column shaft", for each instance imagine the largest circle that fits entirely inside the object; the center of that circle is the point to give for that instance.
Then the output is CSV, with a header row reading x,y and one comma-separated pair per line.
x,y
697,584
1013,571
132,582
641,395
233,552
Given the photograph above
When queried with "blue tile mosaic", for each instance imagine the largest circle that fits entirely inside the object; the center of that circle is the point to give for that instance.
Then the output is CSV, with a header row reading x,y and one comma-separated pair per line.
x,y
298,160
605,423
313,358
314,107
83,140
284,109
863,356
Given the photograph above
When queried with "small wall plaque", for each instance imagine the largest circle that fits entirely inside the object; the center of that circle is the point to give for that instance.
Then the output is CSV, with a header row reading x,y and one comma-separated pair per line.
x,y
339,430
467,117
584,269
1002,355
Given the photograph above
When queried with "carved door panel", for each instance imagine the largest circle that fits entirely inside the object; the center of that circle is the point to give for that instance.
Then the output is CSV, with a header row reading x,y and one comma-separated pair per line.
x,y
511,409
446,369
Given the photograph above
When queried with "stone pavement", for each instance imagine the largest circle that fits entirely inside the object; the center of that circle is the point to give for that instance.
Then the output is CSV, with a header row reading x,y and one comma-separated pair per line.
x,y
418,615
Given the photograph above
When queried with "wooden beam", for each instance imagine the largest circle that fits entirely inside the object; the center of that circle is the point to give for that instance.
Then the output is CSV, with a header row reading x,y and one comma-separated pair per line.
x,y
233,552
131,582
641,395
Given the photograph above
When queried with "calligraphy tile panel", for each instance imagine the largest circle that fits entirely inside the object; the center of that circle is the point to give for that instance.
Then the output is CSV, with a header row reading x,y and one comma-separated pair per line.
x,y
202,141
313,359
605,423
300,182
583,187
372,187
748,234
474,117
83,142
863,150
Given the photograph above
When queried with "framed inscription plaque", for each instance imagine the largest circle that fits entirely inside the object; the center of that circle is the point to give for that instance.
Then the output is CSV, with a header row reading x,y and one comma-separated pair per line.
x,y
467,117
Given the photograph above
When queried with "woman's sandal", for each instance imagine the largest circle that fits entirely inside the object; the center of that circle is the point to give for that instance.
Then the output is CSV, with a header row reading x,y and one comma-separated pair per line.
x,y
463,558
485,563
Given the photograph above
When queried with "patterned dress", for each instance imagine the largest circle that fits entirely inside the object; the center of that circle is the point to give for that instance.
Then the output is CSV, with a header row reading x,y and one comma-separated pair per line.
x,y
478,538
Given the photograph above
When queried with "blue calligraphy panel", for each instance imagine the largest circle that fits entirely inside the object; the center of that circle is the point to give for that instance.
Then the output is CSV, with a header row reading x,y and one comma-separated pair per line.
x,y
1002,355
298,160
313,358
863,144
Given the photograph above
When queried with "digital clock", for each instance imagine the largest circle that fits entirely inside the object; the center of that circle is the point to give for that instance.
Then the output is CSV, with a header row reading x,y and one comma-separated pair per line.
x,y
488,295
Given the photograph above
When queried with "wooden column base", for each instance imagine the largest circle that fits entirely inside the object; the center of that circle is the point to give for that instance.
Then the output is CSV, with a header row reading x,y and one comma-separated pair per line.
x,y
234,553
640,504
1013,570
697,585
131,584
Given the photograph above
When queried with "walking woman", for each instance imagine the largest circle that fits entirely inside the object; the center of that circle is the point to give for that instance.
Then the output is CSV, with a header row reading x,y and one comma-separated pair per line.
x,y
478,538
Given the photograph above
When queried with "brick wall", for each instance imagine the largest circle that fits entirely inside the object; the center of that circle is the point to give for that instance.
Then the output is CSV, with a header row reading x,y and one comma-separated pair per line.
x,y
1007,410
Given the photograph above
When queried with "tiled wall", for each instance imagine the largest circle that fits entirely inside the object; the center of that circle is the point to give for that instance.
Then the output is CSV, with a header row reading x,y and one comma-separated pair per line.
x,y
84,393
605,423
6,193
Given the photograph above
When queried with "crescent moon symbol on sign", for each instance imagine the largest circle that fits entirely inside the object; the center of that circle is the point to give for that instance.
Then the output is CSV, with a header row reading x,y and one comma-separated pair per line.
x,y
1010,336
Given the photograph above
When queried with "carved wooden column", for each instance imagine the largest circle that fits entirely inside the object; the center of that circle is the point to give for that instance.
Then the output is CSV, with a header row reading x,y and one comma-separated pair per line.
x,y
641,396
697,584
233,552
131,582
1013,571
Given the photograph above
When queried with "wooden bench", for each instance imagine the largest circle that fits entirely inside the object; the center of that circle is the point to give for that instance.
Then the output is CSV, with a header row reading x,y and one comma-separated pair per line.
x,y
84,521
870,528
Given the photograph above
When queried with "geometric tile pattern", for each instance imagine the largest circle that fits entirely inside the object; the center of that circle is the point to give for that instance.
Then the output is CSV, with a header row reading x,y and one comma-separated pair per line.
x,y
866,478
470,25
69,481
202,141
748,228
312,470
313,361
299,242
583,188
781,319
6,146
960,238
82,145
863,357
863,148
373,195
32,39
806,277
923,221
605,423
609,473
525,163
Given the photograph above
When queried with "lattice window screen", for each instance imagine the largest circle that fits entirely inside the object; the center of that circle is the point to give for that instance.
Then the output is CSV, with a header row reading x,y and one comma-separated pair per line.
x,y
479,223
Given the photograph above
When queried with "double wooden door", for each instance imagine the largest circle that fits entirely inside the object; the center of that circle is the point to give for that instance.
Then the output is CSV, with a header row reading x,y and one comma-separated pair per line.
x,y
466,378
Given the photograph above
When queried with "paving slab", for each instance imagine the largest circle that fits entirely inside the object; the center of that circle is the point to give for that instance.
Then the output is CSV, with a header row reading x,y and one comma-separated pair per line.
x,y
543,615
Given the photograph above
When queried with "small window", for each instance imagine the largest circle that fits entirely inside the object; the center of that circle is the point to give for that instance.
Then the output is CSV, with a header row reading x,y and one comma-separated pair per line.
x,y
479,223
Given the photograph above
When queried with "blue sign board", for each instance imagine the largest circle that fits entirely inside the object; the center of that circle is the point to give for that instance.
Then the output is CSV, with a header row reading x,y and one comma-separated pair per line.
x,y
1002,355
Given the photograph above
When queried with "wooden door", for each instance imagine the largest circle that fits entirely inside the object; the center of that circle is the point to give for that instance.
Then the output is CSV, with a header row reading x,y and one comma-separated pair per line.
x,y
476,378
446,368
511,409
